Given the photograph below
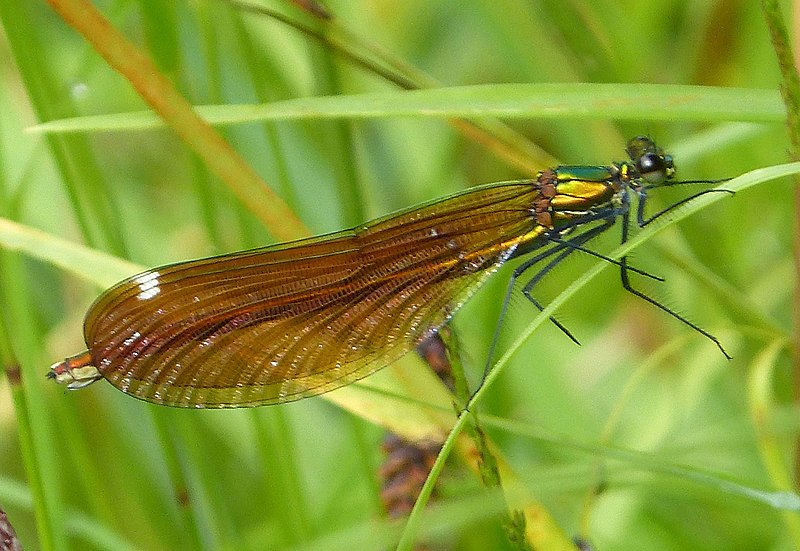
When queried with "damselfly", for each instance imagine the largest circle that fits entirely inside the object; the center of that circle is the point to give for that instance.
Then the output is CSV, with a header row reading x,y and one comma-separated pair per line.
x,y
293,320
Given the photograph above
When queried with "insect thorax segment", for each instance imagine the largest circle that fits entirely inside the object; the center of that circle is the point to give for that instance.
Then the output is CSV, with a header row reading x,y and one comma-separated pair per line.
x,y
570,192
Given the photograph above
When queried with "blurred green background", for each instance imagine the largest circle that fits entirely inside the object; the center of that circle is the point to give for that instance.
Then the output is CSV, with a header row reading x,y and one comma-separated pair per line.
x,y
116,473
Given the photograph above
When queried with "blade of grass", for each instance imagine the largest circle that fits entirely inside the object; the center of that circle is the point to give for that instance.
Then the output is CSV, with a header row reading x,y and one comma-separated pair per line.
x,y
91,265
761,401
33,427
779,500
162,96
505,142
640,102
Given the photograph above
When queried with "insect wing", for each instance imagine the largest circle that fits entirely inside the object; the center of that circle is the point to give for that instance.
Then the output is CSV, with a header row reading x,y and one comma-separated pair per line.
x,y
285,322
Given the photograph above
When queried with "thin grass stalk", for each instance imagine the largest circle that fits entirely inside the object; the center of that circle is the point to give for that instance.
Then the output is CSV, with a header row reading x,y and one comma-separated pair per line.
x,y
790,90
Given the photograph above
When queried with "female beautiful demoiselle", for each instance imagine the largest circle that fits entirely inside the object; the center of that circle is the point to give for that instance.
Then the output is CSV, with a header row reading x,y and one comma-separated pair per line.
x,y
289,321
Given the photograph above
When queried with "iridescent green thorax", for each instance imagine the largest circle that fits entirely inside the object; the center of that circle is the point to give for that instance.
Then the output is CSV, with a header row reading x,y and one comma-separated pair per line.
x,y
568,193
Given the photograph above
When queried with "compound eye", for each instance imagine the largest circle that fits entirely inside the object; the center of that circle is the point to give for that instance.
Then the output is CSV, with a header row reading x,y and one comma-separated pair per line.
x,y
655,168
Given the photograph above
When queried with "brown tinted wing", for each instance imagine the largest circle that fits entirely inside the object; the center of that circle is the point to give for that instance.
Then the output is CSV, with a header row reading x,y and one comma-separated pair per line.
x,y
290,321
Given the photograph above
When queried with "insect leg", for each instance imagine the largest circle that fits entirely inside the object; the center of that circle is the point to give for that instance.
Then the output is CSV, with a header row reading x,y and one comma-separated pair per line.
x,y
566,247
625,277
561,250
642,221
507,298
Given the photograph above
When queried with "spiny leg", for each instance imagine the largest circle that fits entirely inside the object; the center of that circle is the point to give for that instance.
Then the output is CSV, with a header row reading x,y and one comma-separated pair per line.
x,y
561,250
604,257
642,221
624,269
626,284
506,300
569,246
